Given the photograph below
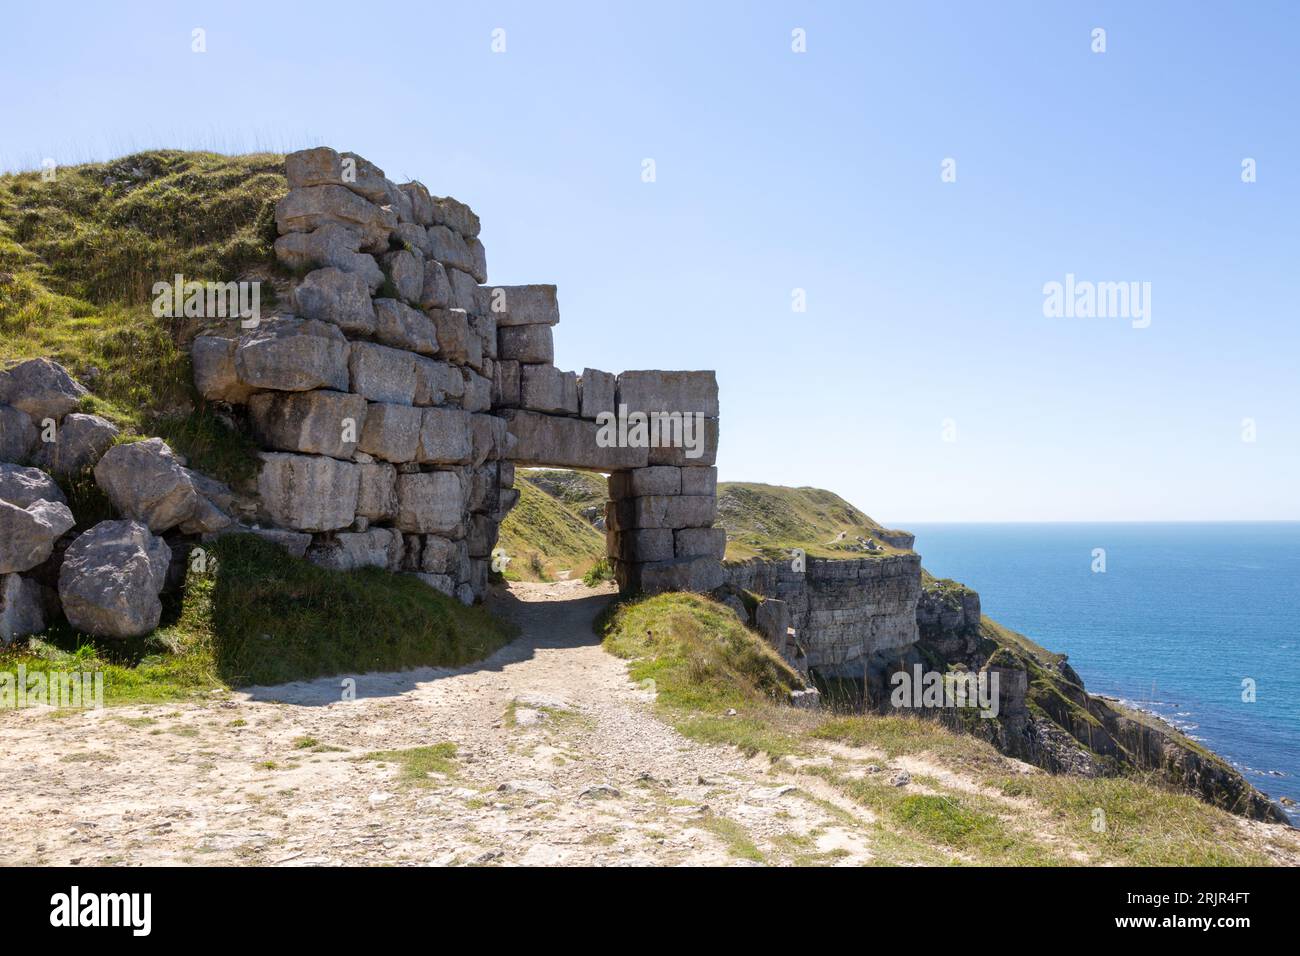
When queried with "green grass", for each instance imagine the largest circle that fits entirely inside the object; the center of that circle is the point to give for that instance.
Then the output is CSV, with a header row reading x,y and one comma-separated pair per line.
x,y
704,663
737,839
417,763
543,536
79,257
266,617
769,520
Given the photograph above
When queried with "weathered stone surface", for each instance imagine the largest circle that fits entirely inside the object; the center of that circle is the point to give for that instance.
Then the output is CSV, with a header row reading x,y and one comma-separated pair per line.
x,y
431,502
565,443
445,436
450,249
79,442
490,437
111,578
421,202
508,498
645,544
402,327
506,388
662,511
41,388
482,537
322,166
292,355
308,492
332,295
146,481
392,432
478,392
485,327
700,543
406,270
597,391
27,534
311,207
455,215
382,374
442,556
506,474
700,451
772,620
680,574
330,246
477,259
350,550
464,291
23,486
660,391
524,304
314,423
444,583
415,238
436,382
526,343
377,491
17,434
544,388
294,542
658,480
215,377
457,342
699,481
436,292
22,610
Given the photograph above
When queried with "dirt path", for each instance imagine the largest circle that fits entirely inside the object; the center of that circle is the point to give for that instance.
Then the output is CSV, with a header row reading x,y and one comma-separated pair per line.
x,y
559,760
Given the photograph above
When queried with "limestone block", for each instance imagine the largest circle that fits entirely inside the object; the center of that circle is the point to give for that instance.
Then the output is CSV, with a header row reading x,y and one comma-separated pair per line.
x,y
292,355
111,578
445,436
146,481
597,390
310,207
450,249
439,582
544,388
524,304
332,295
645,544
315,423
477,259
698,447
680,574
700,543
41,388
489,437
699,481
406,270
350,550
382,374
414,238
485,327
565,443
482,537
22,610
662,511
215,377
478,392
392,432
464,291
17,434
506,389
455,215
23,486
331,246
323,166
27,534
430,502
436,382
402,327
457,342
657,480
377,491
79,442
436,291
508,498
526,343
441,555
422,210
308,492
660,391
506,474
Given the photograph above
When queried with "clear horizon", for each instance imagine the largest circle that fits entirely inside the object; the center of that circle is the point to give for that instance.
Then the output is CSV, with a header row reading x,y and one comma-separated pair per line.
x,y
821,171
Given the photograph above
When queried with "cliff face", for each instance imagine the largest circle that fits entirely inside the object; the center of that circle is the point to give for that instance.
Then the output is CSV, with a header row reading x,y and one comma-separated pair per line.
x,y
848,616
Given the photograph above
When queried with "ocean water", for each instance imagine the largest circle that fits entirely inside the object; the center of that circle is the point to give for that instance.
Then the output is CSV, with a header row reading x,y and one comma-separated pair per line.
x,y
1181,616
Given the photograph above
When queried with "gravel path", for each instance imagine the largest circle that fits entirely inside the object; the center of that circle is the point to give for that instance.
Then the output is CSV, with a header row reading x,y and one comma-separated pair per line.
x,y
560,760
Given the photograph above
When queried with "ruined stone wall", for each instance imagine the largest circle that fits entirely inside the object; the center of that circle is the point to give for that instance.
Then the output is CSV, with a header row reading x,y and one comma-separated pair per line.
x,y
395,392
845,614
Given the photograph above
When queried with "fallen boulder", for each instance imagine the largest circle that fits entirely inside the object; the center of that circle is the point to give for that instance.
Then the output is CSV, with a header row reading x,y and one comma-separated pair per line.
x,y
41,388
21,608
23,486
27,534
79,442
111,578
17,434
146,481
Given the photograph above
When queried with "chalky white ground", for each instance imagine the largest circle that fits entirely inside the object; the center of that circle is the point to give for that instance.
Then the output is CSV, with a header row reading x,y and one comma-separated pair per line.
x,y
584,773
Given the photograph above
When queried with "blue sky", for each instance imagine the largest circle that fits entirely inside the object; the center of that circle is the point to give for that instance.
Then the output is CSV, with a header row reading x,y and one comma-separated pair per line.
x,y
818,171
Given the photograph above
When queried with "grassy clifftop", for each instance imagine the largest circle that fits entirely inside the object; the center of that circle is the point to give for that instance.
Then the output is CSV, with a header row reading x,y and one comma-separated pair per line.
x,y
768,520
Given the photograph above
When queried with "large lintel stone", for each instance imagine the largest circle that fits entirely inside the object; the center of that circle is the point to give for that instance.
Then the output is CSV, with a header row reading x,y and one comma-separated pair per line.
x,y
565,443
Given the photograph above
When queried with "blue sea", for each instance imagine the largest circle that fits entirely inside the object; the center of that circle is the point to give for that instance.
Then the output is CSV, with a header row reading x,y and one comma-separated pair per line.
x,y
1181,616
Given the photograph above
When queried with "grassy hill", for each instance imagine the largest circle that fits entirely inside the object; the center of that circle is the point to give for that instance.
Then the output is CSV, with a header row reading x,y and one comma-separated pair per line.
x,y
768,520
545,534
